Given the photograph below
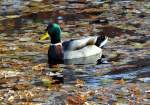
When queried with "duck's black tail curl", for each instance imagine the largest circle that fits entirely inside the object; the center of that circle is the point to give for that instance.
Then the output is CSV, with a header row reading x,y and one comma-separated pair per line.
x,y
101,41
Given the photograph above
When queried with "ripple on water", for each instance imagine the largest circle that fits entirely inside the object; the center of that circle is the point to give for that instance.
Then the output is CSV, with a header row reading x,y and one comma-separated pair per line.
x,y
10,6
96,76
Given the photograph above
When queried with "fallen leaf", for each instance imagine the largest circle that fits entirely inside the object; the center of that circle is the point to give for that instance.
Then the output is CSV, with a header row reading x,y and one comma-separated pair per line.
x,y
11,99
22,86
90,93
47,82
39,67
26,95
74,100
79,83
121,81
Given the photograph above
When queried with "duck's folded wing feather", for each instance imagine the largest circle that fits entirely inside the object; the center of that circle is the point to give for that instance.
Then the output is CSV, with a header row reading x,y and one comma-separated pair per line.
x,y
84,52
79,43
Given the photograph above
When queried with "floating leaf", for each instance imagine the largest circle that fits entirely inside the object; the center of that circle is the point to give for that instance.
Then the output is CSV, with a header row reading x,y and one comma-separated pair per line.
x,y
121,81
137,45
26,95
79,83
74,100
47,82
39,67
11,99
90,93
22,86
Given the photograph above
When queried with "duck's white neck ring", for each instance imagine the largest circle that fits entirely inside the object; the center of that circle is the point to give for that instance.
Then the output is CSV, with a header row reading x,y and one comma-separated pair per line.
x,y
56,44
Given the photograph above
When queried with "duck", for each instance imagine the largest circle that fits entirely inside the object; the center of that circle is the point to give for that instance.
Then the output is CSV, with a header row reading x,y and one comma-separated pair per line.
x,y
83,47
73,49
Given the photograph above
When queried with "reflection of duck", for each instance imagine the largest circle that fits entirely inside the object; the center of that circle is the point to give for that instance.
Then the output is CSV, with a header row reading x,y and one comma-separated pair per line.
x,y
71,49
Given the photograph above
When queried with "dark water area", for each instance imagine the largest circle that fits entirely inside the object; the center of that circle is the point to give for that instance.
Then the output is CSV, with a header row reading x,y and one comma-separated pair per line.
x,y
15,8
122,79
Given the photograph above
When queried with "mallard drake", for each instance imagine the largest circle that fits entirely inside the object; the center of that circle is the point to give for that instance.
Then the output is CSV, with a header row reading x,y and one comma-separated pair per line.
x,y
81,49
62,51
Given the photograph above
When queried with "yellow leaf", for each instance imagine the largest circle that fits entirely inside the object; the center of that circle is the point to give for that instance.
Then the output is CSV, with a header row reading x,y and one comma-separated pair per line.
x,y
47,82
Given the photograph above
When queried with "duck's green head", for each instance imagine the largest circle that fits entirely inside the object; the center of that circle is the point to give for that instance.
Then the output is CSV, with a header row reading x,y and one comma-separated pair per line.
x,y
54,31
54,28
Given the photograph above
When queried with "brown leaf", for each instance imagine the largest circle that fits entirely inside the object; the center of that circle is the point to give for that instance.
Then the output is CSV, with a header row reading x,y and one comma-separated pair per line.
x,y
121,81
39,67
91,93
79,83
74,100
26,95
22,86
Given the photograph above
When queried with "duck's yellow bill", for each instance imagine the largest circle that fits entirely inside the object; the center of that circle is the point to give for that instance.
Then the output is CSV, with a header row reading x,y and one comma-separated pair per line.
x,y
44,36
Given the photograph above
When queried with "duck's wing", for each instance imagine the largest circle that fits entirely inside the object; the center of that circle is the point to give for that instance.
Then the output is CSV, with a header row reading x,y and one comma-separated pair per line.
x,y
83,53
66,45
79,43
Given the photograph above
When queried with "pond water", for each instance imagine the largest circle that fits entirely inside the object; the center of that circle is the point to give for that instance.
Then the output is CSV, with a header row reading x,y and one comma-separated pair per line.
x,y
23,58
11,7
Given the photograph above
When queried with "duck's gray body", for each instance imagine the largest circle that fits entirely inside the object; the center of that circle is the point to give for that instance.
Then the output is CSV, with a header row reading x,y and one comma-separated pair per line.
x,y
87,51
81,48
87,55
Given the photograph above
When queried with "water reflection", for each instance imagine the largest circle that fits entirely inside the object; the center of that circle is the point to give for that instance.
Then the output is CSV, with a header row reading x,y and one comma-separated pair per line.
x,y
10,7
93,80
86,60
